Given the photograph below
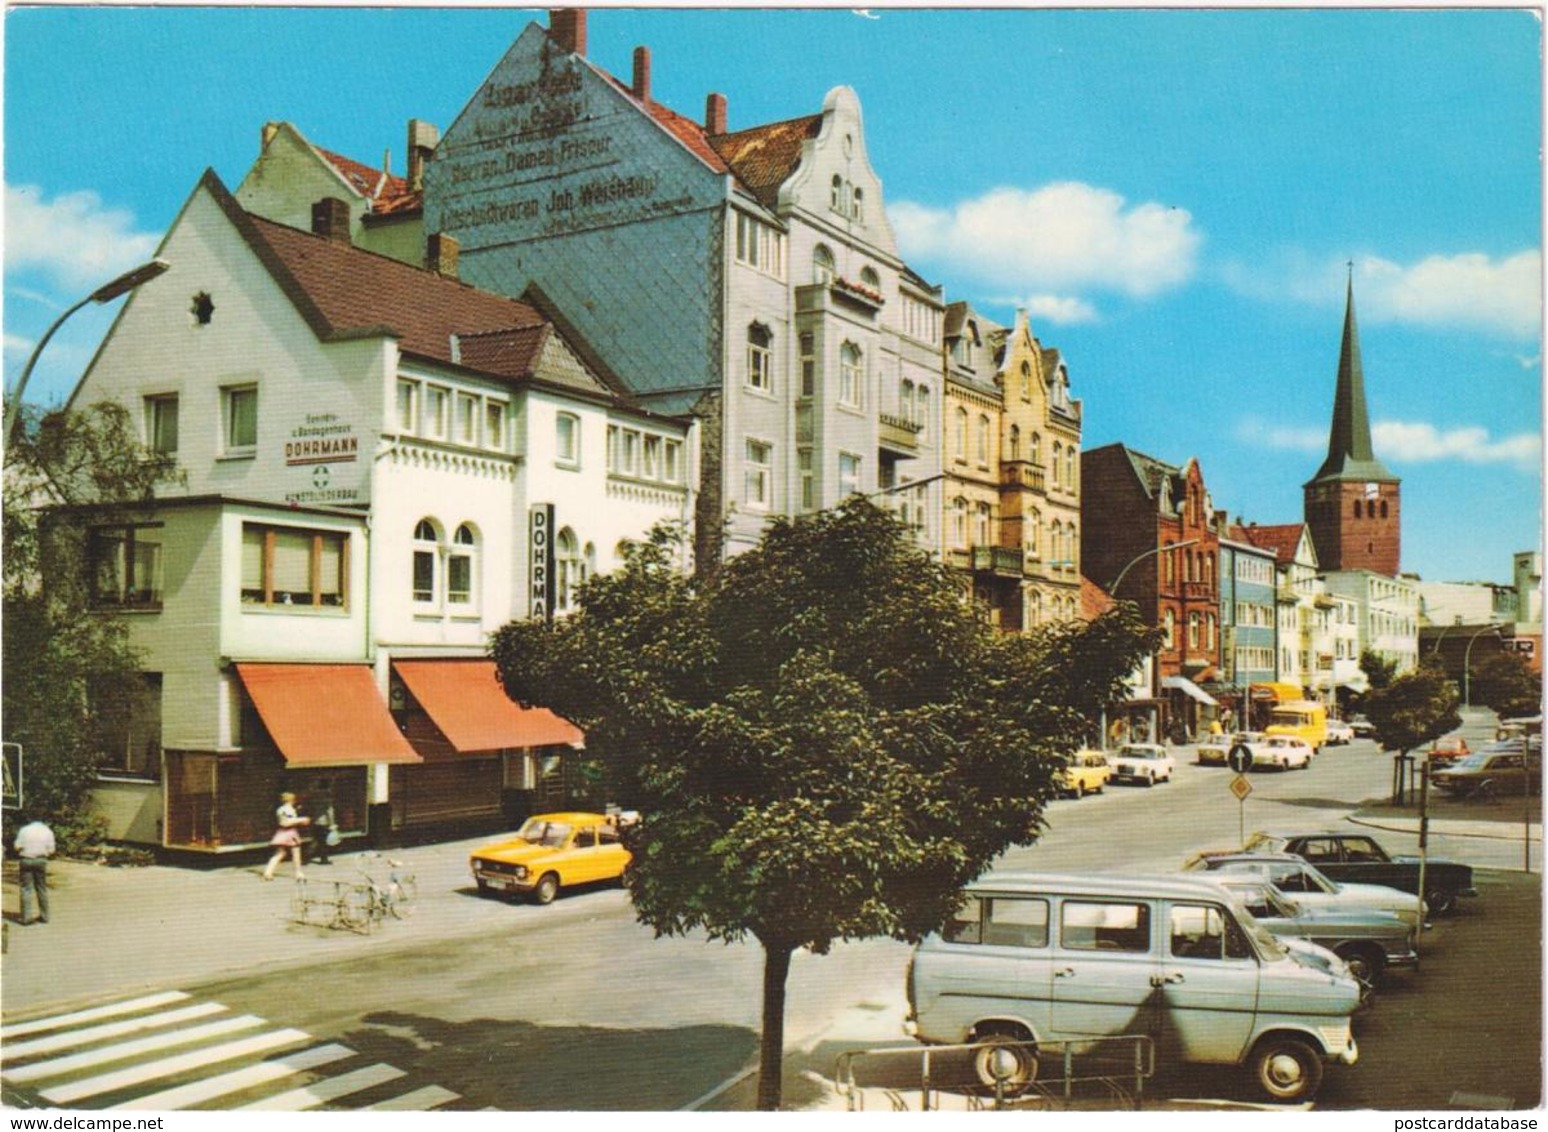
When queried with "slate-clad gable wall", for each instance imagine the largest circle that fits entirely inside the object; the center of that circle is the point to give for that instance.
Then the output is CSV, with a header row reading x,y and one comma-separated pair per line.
x,y
552,175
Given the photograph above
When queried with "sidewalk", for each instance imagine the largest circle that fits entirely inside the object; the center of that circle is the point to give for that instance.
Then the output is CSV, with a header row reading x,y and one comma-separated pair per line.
x,y
120,930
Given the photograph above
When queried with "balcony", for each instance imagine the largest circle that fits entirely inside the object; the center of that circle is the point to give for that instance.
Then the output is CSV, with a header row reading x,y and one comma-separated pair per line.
x,y
999,561
898,435
1021,473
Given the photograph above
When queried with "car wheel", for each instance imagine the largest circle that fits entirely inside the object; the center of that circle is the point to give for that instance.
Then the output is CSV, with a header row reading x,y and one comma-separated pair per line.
x,y
1151,780
1367,964
1005,1060
1485,791
547,888
1442,901
1286,1070
1080,791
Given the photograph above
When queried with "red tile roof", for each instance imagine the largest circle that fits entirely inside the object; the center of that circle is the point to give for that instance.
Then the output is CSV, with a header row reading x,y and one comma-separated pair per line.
x,y
685,130
1283,539
385,192
764,157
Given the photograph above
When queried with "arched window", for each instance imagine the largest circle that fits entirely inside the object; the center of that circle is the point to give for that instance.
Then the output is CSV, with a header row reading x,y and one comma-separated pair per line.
x,y
822,264
1383,508
836,194
1168,567
427,552
1168,629
962,436
983,439
1034,608
1035,533
1015,442
1069,468
1356,508
922,412
569,570
460,567
1074,547
859,199
982,520
1193,630
1036,452
760,358
959,534
1056,540
906,400
1058,455
850,383
869,278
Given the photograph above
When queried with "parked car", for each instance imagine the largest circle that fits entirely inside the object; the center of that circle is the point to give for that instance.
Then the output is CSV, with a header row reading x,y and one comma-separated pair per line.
x,y
1339,733
1309,887
1369,942
1282,752
550,852
1502,769
1444,752
1529,727
1029,961
1142,762
1084,772
1359,857
1362,727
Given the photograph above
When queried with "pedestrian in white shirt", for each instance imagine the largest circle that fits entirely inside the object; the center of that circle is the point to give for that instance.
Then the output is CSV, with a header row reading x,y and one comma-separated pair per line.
x,y
34,845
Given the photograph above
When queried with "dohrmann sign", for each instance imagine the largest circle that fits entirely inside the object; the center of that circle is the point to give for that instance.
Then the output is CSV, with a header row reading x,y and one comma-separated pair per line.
x,y
540,561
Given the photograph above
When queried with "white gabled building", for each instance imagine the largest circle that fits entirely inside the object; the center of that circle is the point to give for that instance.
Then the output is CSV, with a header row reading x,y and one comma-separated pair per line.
x,y
384,465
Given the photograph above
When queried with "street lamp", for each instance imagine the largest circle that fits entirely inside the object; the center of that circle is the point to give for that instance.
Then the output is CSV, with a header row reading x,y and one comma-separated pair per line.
x,y
1467,657
106,293
1113,589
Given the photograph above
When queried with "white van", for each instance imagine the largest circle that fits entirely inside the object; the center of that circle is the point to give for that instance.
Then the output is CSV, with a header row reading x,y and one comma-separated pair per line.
x,y
1033,958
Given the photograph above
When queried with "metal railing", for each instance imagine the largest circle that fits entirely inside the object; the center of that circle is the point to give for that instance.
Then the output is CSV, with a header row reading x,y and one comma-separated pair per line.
x,y
1003,1073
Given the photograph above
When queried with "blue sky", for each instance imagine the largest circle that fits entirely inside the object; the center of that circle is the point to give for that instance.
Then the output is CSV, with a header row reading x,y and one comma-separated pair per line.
x,y
1173,195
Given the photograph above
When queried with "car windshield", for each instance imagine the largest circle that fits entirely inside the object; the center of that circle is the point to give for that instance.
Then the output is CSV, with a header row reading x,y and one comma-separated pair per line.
x,y
549,834
1264,941
1139,753
1471,762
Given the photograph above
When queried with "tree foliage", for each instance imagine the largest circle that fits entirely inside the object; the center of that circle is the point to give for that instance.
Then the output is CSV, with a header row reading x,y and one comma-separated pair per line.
x,y
70,672
1506,683
1414,709
823,741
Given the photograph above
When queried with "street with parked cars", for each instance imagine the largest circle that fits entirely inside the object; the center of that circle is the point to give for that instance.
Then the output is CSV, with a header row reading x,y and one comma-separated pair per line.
x,y
672,1023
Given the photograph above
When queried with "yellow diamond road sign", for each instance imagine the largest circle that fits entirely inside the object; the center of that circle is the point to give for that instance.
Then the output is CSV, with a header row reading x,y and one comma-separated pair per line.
x,y
1241,787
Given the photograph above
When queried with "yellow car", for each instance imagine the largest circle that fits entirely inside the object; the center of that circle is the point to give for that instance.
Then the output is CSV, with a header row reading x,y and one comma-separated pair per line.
x,y
1084,772
550,852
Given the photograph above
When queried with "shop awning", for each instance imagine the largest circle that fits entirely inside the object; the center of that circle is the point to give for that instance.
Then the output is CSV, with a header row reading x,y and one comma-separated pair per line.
x,y
1190,688
325,714
465,699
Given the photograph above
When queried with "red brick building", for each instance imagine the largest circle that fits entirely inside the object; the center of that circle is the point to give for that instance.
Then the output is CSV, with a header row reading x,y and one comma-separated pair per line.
x,y
1353,504
1149,535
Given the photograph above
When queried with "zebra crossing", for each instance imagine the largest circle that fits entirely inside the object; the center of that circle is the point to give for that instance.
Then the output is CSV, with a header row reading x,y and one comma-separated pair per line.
x,y
167,1052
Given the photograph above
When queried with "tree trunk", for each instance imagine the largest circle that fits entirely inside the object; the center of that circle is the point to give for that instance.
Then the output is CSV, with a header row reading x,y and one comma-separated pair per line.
x,y
771,1049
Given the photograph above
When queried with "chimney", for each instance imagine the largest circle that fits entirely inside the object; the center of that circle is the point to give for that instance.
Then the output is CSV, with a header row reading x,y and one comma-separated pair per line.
x,y
642,73
715,115
441,254
567,28
330,220
269,130
422,140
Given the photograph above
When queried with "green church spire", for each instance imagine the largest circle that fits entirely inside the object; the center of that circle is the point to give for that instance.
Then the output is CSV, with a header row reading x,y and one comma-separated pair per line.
x,y
1349,441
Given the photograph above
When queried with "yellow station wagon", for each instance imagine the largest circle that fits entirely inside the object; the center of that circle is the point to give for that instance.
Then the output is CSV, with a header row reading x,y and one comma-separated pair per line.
x,y
1084,772
550,852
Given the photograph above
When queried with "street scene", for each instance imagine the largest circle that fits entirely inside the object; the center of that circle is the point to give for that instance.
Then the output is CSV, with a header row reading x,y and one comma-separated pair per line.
x,y
810,561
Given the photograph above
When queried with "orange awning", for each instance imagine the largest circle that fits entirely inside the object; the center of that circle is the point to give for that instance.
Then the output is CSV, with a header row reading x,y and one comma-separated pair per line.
x,y
325,714
467,702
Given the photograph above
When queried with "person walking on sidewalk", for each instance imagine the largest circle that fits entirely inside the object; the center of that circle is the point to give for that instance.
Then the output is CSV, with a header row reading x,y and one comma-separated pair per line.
x,y
34,845
287,838
325,832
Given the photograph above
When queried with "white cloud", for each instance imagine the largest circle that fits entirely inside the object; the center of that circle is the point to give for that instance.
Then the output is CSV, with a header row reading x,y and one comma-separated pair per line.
x,y
1065,237
1061,309
1469,290
1254,430
74,240
1418,442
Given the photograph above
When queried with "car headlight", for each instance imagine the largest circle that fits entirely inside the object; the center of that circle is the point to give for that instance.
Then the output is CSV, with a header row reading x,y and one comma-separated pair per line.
x,y
521,872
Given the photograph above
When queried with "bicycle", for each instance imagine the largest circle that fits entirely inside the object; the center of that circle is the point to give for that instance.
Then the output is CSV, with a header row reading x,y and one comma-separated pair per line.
x,y
394,898
332,904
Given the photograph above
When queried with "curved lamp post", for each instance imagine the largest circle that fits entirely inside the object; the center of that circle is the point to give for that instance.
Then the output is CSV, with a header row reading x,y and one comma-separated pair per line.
x,y
106,293
1467,656
1113,589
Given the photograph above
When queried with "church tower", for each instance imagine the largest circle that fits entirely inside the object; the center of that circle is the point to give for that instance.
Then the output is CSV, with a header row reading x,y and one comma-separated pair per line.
x,y
1353,504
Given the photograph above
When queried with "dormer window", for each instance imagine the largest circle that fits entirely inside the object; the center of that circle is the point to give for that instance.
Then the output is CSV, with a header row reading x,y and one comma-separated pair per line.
x,y
823,269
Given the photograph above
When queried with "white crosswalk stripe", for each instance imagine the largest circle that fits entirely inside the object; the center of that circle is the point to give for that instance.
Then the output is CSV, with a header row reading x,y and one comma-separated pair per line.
x,y
323,1091
237,1080
188,1064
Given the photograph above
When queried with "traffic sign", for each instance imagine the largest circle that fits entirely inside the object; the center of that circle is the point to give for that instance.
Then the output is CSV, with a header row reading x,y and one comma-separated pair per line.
x,y
1240,758
1241,788
12,796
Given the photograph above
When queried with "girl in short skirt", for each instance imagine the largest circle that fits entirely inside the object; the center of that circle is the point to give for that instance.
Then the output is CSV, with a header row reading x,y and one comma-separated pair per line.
x,y
287,836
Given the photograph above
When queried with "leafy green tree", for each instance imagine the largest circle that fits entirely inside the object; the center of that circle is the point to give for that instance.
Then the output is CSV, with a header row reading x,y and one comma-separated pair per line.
x,y
1414,709
71,674
1506,683
1379,672
824,742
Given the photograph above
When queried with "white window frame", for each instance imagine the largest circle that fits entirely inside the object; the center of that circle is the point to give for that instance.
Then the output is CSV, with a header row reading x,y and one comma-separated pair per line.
x,y
567,440
760,358
849,468
759,481
427,549
157,407
672,460
464,548
229,399
406,405
851,376
495,416
435,412
466,419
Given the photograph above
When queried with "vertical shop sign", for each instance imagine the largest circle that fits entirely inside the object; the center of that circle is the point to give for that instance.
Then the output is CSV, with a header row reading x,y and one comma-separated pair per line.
x,y
540,544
